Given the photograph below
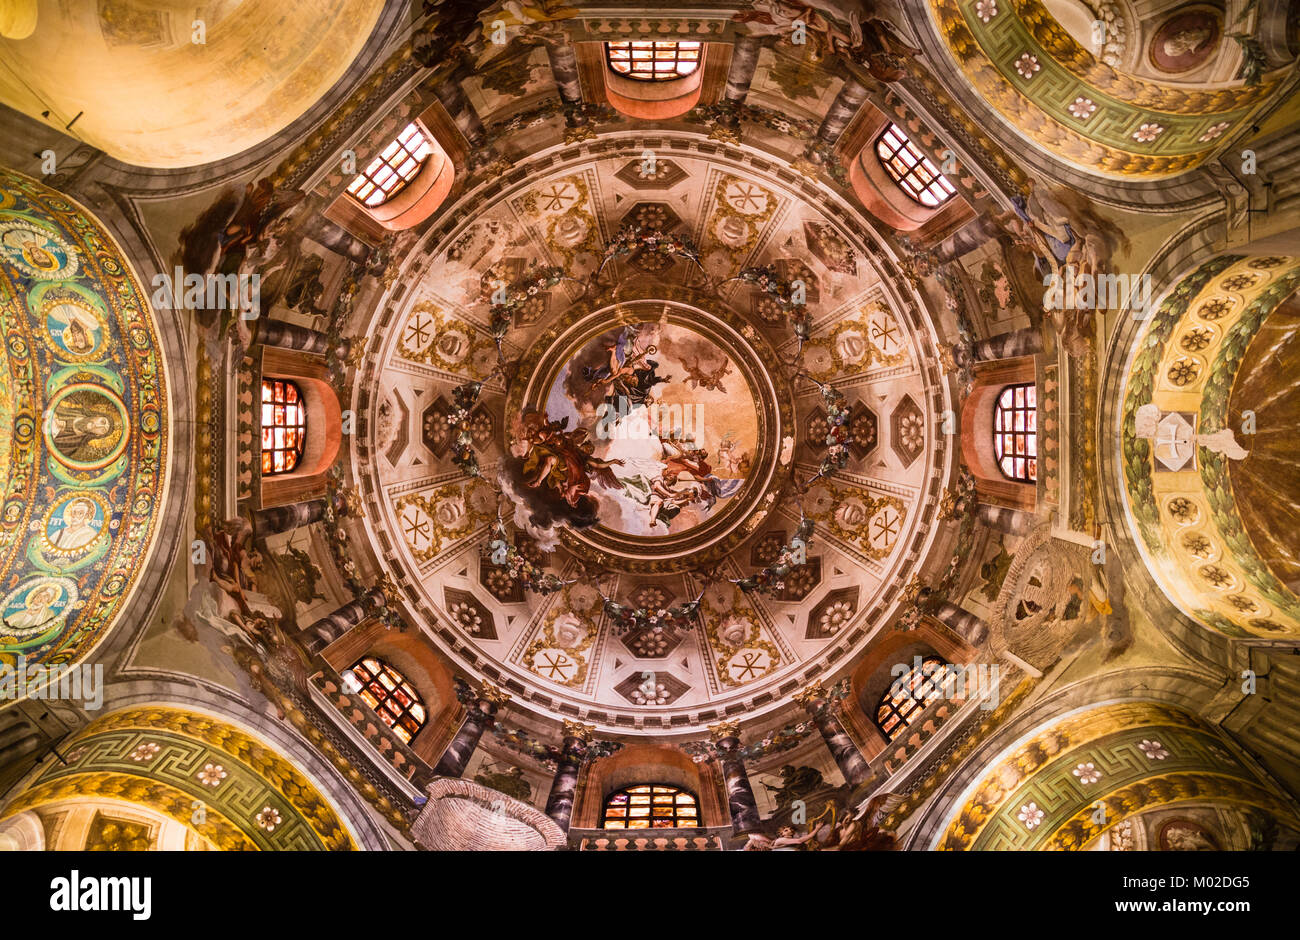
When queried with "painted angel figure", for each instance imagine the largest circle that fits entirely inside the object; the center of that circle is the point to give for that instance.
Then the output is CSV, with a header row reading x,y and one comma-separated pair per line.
x,y
630,374
562,460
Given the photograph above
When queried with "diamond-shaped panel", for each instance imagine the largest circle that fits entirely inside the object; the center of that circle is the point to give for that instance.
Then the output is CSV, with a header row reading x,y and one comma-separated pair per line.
x,y
833,614
651,642
638,175
469,614
651,688
907,427
434,429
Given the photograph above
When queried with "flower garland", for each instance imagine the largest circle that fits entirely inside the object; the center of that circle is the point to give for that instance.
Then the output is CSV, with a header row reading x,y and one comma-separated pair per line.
x,y
767,279
339,502
464,397
772,578
517,295
651,240
838,435
624,618
776,741
508,556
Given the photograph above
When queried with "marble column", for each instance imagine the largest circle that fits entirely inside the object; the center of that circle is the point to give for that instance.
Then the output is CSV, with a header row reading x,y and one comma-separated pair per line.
x,y
744,62
337,239
1023,342
452,97
564,69
286,518
291,336
573,751
1003,519
965,624
848,758
740,794
333,625
478,719
842,110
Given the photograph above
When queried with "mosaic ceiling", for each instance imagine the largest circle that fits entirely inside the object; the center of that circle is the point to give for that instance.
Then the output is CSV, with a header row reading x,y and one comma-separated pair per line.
x,y
84,428
648,438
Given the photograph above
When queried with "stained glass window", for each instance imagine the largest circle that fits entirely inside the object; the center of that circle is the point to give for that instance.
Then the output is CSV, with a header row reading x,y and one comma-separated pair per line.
x,y
653,61
911,169
284,426
651,806
907,697
389,693
396,166
1015,432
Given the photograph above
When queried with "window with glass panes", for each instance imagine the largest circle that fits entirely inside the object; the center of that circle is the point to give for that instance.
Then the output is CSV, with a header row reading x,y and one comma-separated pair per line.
x,y
396,166
907,697
911,169
651,806
1015,432
389,693
653,61
284,426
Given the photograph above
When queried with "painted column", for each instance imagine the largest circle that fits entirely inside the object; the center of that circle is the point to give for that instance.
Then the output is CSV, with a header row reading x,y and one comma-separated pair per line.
x,y
740,794
286,518
1003,519
564,69
573,751
848,758
452,96
1023,342
290,336
842,110
332,626
480,717
337,239
967,625
744,61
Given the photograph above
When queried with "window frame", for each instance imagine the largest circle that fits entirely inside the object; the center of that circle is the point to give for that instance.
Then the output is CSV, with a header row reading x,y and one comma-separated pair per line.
x,y
676,817
387,159
390,717
654,77
1027,435
911,171
299,427
913,705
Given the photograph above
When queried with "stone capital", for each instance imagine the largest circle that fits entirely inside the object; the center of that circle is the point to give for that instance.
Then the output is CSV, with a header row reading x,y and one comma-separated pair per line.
x,y
576,729
810,694
724,729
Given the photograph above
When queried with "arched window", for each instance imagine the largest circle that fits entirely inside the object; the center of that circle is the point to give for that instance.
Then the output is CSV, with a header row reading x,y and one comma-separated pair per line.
x,y
1015,432
653,61
396,166
904,701
911,169
284,426
651,806
389,693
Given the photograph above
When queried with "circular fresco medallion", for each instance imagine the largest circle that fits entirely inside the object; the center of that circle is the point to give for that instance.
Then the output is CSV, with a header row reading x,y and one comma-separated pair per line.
x,y
1185,41
651,441
74,320
86,426
35,250
73,524
33,607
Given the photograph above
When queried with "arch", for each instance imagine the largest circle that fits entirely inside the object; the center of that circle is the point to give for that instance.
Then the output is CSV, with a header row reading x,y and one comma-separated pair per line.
x,y
653,100
978,430
253,797
1040,792
649,805
1187,460
419,193
95,401
638,763
324,426
880,194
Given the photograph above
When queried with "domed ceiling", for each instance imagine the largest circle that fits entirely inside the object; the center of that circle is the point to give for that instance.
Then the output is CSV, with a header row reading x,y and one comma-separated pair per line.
x,y
630,513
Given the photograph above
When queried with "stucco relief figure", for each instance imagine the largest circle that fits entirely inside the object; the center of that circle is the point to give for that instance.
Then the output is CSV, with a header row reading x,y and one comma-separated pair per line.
x,y
851,28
